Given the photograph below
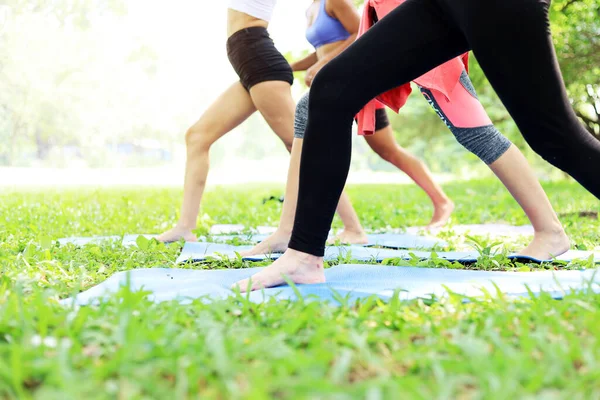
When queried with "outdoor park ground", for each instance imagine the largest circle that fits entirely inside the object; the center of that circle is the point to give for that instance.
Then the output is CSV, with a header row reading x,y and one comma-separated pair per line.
x,y
130,348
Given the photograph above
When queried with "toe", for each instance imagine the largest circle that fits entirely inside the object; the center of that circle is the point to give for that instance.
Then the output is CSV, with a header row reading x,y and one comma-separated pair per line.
x,y
241,285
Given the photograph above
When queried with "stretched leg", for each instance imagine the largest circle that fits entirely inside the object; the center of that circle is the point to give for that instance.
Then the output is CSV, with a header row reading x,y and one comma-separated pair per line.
x,y
527,78
368,67
384,144
472,127
550,239
277,242
274,101
229,110
353,231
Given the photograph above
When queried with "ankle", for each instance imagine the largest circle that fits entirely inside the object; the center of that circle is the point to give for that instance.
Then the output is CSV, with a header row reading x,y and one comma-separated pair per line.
x,y
554,229
185,226
355,230
307,258
443,202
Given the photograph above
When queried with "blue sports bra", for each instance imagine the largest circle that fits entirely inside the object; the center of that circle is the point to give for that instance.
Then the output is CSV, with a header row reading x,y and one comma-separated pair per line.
x,y
325,29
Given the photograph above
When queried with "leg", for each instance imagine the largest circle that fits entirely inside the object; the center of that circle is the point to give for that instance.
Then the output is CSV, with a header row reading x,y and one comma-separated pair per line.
x,y
277,242
368,67
384,144
550,239
527,78
353,232
470,124
228,111
274,101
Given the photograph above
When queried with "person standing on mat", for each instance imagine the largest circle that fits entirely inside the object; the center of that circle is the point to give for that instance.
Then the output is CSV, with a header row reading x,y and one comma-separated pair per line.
x,y
333,26
512,42
451,94
329,36
264,85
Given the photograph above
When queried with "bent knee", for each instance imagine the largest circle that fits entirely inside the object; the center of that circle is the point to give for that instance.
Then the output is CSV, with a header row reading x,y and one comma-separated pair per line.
x,y
387,154
301,117
197,137
486,142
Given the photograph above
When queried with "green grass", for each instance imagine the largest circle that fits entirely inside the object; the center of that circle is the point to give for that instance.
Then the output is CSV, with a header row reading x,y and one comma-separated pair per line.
x,y
129,348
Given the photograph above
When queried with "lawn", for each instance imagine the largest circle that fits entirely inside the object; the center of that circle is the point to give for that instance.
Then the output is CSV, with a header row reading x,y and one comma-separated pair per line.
x,y
130,348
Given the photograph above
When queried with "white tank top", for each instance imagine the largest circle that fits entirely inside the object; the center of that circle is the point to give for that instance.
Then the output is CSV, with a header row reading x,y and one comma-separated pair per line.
x,y
261,9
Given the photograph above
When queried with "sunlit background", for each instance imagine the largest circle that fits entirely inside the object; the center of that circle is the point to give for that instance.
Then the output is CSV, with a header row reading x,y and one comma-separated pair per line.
x,y
102,92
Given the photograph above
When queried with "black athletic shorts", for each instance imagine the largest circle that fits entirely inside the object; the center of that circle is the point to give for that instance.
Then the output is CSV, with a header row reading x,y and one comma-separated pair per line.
x,y
255,59
381,119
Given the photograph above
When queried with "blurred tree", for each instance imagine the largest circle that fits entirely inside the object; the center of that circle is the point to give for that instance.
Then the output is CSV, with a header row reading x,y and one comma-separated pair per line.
x,y
53,85
72,75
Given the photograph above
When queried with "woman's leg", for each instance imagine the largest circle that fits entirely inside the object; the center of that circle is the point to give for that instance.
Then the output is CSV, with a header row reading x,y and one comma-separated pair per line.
x,y
521,65
228,111
468,121
373,64
274,101
550,239
524,73
384,144
353,232
278,241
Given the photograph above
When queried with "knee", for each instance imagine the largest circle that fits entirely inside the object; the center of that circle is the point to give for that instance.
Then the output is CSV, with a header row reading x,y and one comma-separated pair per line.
x,y
330,91
197,138
394,154
485,142
388,154
551,151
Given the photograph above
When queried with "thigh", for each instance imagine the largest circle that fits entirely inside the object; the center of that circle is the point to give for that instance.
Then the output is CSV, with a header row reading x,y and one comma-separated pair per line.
x,y
382,140
411,40
462,109
274,101
229,110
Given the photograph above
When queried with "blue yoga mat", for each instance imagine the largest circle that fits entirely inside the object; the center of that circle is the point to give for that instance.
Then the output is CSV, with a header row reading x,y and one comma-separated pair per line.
x,y
82,241
348,281
127,240
493,229
231,229
389,240
203,251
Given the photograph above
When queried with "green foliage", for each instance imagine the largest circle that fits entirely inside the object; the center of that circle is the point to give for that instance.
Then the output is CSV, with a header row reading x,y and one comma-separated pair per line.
x,y
576,32
130,348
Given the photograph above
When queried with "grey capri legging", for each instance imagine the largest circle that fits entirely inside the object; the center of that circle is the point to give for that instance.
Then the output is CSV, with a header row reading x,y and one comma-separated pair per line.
x,y
486,142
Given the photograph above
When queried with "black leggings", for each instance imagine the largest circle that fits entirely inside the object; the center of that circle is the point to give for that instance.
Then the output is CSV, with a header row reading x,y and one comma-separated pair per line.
x,y
511,40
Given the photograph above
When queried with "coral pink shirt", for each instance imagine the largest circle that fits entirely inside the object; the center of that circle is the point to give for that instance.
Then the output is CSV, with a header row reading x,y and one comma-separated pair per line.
x,y
442,78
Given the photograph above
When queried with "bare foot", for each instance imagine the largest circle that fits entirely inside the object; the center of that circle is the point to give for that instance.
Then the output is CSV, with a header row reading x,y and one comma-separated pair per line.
x,y
349,237
294,265
546,245
441,214
277,242
176,234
